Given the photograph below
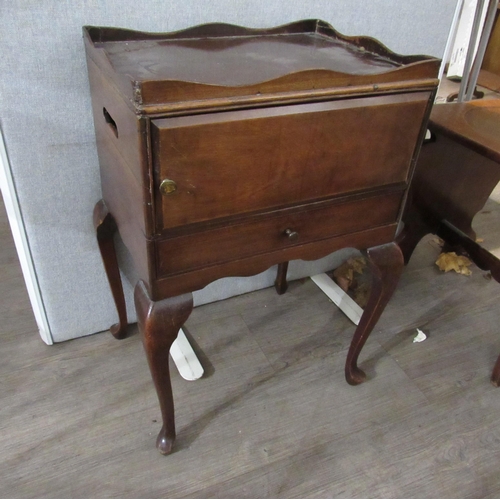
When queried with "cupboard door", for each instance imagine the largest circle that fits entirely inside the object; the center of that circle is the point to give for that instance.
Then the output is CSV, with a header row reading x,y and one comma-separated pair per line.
x,y
234,163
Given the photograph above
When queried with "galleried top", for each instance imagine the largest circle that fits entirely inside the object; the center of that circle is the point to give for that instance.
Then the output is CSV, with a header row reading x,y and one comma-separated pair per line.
x,y
215,60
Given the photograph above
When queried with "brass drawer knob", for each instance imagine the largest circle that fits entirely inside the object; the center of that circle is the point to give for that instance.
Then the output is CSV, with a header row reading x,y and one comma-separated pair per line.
x,y
292,235
167,186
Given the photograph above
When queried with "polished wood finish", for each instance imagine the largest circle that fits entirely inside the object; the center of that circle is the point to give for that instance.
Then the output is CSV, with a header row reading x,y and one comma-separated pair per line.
x,y
105,227
281,284
150,70
124,167
159,323
457,171
217,163
224,165
472,124
248,266
386,265
310,223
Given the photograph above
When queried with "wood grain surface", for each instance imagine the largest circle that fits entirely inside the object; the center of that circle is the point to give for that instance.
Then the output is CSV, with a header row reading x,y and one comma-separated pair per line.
x,y
232,163
305,55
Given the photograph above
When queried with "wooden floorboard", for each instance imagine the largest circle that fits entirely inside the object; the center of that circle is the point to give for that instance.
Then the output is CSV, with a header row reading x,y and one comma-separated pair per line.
x,y
273,416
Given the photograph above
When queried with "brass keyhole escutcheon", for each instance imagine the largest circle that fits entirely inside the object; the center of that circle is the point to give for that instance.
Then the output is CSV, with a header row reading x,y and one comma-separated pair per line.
x,y
167,186
292,235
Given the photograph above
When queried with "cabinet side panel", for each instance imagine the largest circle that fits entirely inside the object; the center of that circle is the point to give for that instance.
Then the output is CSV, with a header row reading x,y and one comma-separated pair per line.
x,y
119,146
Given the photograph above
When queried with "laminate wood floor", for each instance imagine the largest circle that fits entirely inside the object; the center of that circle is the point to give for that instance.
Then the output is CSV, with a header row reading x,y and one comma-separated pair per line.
x,y
273,416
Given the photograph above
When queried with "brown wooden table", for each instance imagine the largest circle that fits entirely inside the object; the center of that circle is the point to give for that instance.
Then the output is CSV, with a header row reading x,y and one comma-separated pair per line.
x,y
226,150
457,170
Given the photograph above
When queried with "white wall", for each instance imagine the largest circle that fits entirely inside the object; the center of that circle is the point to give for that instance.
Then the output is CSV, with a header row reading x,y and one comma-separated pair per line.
x,y
47,124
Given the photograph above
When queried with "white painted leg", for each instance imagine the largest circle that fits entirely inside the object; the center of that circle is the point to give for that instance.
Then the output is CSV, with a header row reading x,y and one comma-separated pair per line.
x,y
338,297
185,359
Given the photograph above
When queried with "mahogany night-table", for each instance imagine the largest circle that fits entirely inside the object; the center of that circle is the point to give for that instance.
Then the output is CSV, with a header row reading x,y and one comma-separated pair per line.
x,y
225,150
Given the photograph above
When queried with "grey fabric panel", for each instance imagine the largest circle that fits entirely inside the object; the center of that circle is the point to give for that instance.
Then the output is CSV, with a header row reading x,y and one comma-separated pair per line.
x,y
47,123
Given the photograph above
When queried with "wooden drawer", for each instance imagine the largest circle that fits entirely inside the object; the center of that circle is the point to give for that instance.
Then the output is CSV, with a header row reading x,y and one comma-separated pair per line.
x,y
268,233
236,162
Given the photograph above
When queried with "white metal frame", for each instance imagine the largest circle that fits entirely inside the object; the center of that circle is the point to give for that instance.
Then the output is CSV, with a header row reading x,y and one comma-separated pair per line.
x,y
481,49
18,229
476,41
451,37
338,297
185,358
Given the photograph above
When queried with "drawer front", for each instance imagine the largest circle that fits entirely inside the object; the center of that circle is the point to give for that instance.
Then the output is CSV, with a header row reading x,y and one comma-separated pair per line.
x,y
272,232
232,163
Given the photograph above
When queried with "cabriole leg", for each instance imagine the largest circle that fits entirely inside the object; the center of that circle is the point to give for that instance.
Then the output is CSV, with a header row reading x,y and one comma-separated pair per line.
x,y
105,227
386,263
281,285
159,323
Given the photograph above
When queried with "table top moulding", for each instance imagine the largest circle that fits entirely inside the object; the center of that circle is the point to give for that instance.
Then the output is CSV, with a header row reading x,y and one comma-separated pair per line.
x,y
298,62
